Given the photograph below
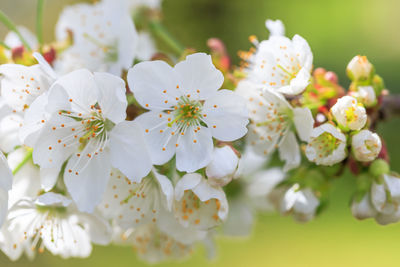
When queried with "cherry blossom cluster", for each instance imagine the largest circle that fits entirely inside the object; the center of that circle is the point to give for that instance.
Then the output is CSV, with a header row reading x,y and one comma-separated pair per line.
x,y
106,140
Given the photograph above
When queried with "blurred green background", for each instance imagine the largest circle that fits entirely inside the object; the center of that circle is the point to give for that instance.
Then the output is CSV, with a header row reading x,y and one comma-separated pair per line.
x,y
336,31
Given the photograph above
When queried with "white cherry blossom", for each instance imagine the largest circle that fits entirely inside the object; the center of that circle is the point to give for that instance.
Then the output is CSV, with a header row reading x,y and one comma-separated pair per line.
x,y
104,37
282,64
365,95
52,223
132,204
327,145
199,204
272,123
349,113
186,110
86,126
366,145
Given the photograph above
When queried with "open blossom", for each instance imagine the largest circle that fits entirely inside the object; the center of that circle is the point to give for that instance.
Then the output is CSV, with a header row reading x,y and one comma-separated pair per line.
x,y
186,110
153,245
86,126
349,113
282,64
359,68
5,185
273,121
199,204
366,145
104,37
301,202
21,85
51,222
327,145
132,204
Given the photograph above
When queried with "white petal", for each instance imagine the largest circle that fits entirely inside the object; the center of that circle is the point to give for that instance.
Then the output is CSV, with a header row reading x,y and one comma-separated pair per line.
x,y
298,84
275,27
48,178
304,122
50,198
112,99
13,40
88,186
99,229
148,81
197,72
81,89
195,149
129,152
160,140
289,152
224,163
166,188
187,182
5,174
228,113
9,132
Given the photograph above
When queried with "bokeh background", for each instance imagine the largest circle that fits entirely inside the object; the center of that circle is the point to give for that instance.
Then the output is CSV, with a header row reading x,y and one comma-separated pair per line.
x,y
336,31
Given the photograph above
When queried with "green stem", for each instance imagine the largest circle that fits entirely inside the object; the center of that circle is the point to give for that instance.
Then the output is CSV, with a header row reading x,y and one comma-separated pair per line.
x,y
4,45
161,32
11,26
39,21
27,157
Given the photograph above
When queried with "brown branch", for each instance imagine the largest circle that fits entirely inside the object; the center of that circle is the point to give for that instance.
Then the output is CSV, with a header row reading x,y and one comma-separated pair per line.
x,y
390,107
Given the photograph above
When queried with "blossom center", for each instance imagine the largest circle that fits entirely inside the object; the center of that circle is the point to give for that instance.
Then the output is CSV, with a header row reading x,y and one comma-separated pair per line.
x,y
325,144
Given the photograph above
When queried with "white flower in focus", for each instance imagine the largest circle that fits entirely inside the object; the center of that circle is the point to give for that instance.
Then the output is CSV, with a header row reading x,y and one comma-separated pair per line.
x,y
5,186
349,113
199,204
104,38
51,222
364,208
366,95
272,123
282,64
186,110
275,27
153,245
302,203
385,198
221,169
359,68
21,85
327,145
132,204
366,145
86,126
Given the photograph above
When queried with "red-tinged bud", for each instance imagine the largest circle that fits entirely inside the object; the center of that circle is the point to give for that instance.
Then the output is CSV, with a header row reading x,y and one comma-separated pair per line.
x,y
353,166
332,102
331,76
323,109
319,71
220,56
384,154
17,53
50,55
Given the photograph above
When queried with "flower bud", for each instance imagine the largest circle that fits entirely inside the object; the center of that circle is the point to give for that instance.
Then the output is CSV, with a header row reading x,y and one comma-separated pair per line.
x,y
327,145
359,68
366,145
379,167
349,113
365,95
221,169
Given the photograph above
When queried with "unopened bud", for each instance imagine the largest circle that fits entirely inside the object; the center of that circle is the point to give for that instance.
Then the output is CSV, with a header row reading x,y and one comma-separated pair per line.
x,y
359,68
366,145
366,95
379,167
